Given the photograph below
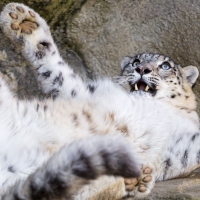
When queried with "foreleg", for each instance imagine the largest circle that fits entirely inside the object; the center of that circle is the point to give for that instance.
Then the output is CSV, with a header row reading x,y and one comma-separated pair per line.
x,y
25,27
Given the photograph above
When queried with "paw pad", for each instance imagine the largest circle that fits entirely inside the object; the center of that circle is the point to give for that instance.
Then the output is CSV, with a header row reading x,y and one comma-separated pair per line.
x,y
130,183
13,15
147,170
40,47
147,179
31,14
23,19
142,188
26,28
20,9
15,27
140,184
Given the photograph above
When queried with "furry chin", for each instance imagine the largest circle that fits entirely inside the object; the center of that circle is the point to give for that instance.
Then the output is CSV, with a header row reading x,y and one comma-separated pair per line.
x,y
142,93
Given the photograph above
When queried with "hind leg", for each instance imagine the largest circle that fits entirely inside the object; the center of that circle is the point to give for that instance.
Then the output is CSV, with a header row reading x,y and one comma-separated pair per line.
x,y
76,165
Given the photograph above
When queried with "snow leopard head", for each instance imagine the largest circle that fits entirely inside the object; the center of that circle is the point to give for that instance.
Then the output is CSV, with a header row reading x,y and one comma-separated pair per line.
x,y
159,77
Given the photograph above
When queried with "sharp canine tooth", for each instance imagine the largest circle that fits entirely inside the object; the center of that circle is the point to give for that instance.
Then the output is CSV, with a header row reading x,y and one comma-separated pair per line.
x,y
147,88
136,88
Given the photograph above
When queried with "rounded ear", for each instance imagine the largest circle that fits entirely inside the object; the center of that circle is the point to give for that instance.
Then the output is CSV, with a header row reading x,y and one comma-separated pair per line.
x,y
191,73
126,60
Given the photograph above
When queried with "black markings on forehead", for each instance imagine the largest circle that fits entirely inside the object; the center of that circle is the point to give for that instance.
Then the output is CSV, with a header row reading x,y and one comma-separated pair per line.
x,y
154,58
148,57
151,57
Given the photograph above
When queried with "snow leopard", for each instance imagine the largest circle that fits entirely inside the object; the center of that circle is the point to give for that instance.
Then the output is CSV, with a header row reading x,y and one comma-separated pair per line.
x,y
51,148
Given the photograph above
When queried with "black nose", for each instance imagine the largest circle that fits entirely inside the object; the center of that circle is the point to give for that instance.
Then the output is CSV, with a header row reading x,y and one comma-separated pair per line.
x,y
142,70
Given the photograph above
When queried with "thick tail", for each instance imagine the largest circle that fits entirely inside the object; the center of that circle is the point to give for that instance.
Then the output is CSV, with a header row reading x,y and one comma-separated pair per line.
x,y
74,166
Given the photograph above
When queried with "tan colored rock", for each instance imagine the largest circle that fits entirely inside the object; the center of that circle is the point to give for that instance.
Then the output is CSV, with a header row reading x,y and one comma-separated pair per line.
x,y
105,31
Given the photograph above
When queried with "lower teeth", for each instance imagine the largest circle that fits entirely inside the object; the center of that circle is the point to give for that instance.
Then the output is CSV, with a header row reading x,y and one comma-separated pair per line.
x,y
146,89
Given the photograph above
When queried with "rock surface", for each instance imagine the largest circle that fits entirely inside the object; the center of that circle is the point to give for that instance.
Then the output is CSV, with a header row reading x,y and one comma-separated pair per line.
x,y
178,189
94,36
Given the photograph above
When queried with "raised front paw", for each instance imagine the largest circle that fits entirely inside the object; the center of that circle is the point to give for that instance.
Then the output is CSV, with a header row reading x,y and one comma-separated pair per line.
x,y
25,27
140,187
18,21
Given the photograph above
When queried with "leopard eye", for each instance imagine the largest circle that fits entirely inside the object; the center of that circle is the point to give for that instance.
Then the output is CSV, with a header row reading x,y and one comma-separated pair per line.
x,y
136,62
165,66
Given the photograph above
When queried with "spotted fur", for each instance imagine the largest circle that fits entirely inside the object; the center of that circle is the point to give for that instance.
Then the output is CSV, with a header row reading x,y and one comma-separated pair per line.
x,y
162,127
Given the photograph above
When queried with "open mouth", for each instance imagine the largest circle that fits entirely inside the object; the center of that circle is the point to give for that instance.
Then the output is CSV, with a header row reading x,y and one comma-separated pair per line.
x,y
142,86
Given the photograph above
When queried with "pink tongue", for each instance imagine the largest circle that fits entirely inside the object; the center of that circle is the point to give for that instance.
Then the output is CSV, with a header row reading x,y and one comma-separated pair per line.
x,y
141,85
